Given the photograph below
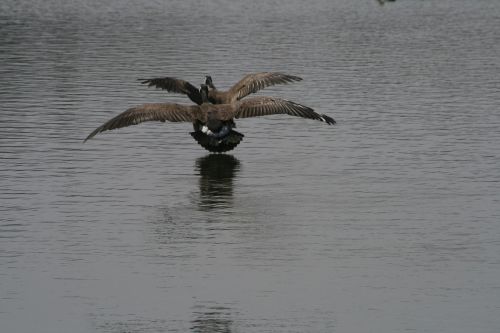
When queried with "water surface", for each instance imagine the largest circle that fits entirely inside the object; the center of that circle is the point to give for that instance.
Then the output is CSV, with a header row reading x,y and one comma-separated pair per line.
x,y
387,222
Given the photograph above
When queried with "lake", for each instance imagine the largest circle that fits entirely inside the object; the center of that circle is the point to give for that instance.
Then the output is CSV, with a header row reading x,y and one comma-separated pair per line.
x,y
388,221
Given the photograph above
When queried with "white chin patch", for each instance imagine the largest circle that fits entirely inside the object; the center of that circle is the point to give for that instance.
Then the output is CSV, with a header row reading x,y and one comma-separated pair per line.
x,y
224,130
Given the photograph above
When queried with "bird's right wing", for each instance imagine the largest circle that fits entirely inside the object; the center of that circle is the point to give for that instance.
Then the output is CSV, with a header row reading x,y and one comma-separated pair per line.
x,y
172,84
263,106
150,112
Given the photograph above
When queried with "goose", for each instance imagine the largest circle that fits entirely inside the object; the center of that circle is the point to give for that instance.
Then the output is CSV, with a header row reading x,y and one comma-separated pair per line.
x,y
249,84
213,123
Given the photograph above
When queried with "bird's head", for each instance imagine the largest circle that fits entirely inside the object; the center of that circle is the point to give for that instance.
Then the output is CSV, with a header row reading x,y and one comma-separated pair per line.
x,y
208,82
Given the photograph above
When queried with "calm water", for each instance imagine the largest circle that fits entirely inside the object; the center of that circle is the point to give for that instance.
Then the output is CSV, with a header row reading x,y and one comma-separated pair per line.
x,y
387,222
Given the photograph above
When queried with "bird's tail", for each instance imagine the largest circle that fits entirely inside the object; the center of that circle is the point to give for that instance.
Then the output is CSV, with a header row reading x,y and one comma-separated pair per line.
x,y
218,145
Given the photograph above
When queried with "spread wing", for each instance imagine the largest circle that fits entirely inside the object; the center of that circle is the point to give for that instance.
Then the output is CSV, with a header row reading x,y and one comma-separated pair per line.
x,y
263,106
150,112
252,83
172,84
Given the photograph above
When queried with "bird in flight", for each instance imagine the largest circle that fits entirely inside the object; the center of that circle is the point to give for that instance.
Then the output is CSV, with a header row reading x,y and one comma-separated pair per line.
x,y
213,123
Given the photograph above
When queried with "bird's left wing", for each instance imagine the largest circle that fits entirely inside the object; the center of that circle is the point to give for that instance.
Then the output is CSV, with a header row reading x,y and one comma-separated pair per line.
x,y
150,112
172,84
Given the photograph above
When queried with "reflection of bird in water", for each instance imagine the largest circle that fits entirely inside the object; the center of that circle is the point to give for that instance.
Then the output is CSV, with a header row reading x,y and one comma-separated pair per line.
x,y
382,2
216,179
214,319
211,324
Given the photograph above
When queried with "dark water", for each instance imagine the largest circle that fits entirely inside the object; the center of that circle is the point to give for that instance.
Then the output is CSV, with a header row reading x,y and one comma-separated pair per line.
x,y
387,222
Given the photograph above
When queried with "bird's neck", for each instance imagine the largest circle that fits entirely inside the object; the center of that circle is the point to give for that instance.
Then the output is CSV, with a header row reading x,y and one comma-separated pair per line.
x,y
204,97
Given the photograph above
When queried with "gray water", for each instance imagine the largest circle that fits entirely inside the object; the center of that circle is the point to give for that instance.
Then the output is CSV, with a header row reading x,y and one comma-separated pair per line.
x,y
387,222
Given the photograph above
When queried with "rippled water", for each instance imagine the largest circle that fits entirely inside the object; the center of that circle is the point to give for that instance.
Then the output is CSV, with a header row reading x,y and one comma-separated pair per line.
x,y
387,222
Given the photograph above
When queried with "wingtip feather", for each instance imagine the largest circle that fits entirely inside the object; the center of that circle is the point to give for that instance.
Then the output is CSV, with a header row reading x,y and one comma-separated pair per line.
x,y
328,120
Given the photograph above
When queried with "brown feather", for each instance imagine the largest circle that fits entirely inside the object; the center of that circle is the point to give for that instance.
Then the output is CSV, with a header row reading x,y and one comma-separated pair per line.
x,y
172,84
152,112
252,83
263,106
249,84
